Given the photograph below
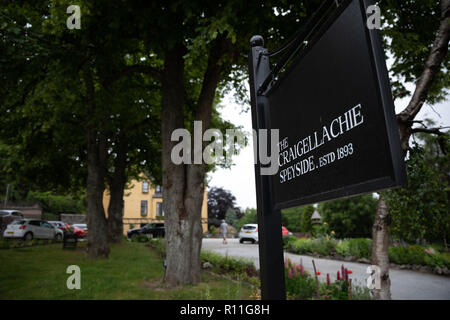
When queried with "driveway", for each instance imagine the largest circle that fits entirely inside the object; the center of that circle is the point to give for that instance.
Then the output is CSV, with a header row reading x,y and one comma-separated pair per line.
x,y
405,284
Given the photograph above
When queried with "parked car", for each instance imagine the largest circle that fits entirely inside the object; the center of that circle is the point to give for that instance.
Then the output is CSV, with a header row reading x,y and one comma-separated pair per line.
x,y
8,216
81,226
79,231
285,232
154,229
11,213
29,229
58,224
248,232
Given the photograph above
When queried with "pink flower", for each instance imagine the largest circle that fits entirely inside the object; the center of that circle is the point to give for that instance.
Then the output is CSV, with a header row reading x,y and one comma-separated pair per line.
x,y
338,276
290,274
328,279
295,272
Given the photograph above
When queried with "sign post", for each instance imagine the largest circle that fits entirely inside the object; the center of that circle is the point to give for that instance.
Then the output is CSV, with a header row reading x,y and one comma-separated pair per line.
x,y
333,109
269,220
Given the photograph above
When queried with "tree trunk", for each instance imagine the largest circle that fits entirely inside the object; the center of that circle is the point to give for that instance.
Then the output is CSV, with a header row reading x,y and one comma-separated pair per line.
x,y
184,185
380,245
177,217
115,210
117,184
97,244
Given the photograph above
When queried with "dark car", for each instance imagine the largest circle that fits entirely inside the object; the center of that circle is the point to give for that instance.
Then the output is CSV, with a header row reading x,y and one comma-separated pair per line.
x,y
154,229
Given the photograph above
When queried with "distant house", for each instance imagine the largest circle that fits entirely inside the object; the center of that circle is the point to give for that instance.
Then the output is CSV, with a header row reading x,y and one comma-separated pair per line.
x,y
143,205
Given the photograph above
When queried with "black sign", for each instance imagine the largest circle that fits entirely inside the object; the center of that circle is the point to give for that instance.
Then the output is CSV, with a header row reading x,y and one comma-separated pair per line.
x,y
334,109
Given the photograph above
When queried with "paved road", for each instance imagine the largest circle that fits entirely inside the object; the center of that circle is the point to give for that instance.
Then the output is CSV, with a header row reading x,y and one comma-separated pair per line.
x,y
405,284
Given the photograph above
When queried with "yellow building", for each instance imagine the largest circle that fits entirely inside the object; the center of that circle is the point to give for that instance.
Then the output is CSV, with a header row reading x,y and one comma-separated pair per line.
x,y
143,204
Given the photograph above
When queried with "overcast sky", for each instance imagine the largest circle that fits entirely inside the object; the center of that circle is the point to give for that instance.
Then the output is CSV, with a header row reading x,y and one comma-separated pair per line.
x,y
240,178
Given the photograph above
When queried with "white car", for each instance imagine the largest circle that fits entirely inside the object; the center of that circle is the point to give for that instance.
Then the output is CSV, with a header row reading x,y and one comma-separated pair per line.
x,y
58,224
11,213
249,232
29,229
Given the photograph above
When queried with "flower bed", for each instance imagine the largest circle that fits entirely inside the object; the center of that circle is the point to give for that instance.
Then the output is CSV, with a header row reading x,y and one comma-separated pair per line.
x,y
301,285
359,249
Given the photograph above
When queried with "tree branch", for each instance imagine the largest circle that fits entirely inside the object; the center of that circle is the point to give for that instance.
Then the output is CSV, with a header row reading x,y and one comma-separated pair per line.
x,y
210,81
436,131
442,136
432,66
137,68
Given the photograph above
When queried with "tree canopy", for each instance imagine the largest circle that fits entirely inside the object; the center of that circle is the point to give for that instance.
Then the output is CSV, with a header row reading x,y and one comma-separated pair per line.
x,y
350,217
421,210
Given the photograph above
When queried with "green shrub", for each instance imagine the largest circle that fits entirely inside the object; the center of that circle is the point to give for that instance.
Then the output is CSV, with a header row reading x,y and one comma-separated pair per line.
x,y
249,217
55,204
437,260
323,246
399,255
288,241
343,248
229,264
301,246
213,230
415,254
360,247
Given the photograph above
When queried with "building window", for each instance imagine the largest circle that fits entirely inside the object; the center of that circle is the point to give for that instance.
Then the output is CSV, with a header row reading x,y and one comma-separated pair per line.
x,y
144,208
159,209
145,185
158,189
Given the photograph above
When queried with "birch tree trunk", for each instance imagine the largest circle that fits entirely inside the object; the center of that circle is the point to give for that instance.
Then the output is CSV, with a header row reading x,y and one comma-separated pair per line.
x,y
380,243
380,246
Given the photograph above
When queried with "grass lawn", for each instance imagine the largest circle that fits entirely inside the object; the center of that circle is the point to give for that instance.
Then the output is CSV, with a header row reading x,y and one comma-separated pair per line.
x,y
133,271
